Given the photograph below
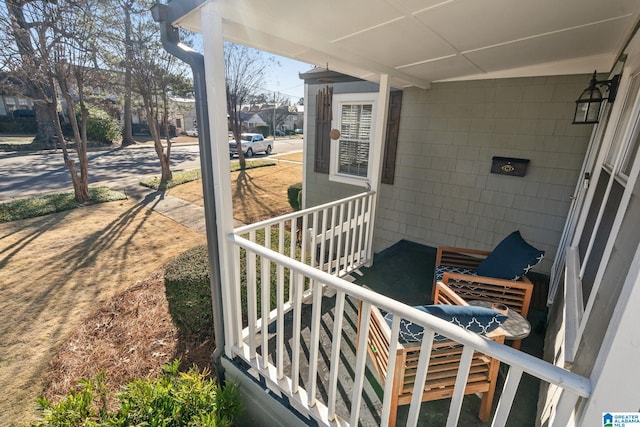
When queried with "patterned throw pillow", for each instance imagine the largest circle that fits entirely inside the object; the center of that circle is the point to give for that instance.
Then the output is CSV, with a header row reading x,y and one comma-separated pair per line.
x,y
480,320
511,259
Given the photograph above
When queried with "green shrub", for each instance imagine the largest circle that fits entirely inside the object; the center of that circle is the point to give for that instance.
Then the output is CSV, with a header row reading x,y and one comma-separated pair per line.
x,y
264,130
51,203
101,127
186,279
175,399
188,288
294,194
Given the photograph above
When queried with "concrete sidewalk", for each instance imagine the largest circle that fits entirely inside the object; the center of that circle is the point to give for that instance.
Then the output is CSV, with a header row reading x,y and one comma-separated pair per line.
x,y
179,210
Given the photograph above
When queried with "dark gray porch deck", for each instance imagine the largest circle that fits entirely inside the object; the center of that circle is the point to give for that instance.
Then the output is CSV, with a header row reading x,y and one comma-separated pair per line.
x,y
403,272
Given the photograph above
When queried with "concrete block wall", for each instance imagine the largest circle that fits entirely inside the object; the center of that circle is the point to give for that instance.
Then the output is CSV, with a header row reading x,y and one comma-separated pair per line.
x,y
444,193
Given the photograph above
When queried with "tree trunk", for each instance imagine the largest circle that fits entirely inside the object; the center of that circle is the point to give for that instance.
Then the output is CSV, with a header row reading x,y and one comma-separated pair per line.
x,y
44,122
165,166
127,131
165,119
44,119
80,191
80,183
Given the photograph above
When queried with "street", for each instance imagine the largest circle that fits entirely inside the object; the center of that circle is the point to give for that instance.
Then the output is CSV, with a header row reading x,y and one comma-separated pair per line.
x,y
35,173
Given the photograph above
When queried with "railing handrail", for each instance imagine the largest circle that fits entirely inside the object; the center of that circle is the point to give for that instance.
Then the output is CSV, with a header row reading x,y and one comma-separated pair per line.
x,y
530,364
271,221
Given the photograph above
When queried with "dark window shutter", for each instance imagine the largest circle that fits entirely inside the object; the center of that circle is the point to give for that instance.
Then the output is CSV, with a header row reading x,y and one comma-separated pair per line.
x,y
323,128
391,140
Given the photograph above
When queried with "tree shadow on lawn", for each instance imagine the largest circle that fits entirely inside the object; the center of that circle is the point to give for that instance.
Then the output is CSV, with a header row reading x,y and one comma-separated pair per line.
x,y
58,269
250,199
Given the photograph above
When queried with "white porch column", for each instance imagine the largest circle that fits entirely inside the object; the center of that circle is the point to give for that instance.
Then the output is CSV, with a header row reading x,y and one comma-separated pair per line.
x,y
377,155
213,49
615,370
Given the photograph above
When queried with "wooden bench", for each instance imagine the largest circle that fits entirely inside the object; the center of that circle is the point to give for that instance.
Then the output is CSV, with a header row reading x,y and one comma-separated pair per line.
x,y
516,294
443,364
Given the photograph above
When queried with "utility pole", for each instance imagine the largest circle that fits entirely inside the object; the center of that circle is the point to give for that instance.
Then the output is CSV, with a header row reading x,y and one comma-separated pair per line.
x,y
273,130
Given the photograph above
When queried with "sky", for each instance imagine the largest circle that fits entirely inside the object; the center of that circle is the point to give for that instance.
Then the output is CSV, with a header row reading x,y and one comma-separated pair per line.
x,y
281,78
284,78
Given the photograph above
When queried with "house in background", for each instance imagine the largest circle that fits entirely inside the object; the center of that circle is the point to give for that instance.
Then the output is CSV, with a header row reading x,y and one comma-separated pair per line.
x,y
400,144
182,114
249,120
8,104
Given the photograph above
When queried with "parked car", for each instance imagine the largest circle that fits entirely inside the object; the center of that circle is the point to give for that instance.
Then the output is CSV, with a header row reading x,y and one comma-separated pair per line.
x,y
192,132
299,131
279,133
251,143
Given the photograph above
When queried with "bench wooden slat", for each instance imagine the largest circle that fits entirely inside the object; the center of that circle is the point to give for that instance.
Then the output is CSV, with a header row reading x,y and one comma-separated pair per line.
x,y
443,364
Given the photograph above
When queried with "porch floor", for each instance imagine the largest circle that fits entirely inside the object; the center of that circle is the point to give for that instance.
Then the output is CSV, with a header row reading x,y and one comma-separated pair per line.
x,y
403,272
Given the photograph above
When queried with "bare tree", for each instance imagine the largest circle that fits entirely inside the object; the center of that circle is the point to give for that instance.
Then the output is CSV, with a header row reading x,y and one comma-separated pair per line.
x,y
277,113
57,52
20,57
154,74
118,51
245,71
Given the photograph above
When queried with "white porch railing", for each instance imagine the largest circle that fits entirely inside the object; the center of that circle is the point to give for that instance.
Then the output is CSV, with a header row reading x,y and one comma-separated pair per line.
x,y
293,273
333,237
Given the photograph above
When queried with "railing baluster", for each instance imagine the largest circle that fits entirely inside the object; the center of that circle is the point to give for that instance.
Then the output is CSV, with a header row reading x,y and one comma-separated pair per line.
x,y
314,240
564,408
292,237
367,228
335,354
347,237
388,385
331,251
280,349
251,297
314,345
297,287
508,395
305,241
292,255
339,250
265,279
460,385
361,359
323,239
353,224
362,231
236,302
421,375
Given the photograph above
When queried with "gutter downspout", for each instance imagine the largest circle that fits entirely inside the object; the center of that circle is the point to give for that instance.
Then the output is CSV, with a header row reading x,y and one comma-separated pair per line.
x,y
171,43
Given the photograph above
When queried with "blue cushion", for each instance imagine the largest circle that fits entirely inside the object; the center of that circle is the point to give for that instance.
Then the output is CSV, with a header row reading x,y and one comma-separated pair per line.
x,y
511,259
480,320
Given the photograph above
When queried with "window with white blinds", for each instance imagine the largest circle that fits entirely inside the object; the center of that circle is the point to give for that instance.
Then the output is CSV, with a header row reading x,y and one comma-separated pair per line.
x,y
355,135
353,116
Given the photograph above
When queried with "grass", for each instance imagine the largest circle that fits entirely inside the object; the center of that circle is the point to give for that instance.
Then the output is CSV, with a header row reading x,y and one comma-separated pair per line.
x,y
72,297
182,177
257,194
60,268
179,177
52,203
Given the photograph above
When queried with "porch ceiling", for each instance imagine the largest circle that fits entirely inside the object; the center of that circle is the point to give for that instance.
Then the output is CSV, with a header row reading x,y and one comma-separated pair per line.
x,y
420,41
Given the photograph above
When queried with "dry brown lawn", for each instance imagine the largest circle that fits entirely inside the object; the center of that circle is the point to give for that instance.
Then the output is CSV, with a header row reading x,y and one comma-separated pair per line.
x,y
257,194
56,270
82,291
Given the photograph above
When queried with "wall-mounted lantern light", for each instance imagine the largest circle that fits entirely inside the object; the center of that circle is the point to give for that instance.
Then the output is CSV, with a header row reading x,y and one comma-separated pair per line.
x,y
591,99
